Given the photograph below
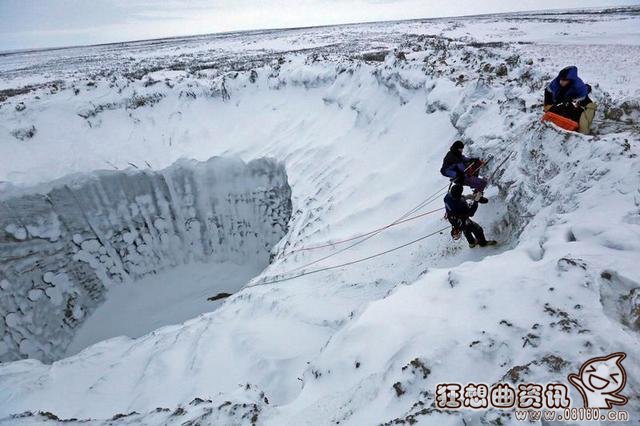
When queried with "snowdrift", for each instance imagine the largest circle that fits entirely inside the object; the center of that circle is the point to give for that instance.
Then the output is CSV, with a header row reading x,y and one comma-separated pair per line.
x,y
360,117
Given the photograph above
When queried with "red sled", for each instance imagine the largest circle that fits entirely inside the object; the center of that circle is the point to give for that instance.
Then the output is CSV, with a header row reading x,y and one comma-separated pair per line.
x,y
560,121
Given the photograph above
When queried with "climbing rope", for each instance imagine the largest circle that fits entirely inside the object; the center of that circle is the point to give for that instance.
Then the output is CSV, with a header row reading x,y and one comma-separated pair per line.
x,y
398,221
490,178
372,234
353,262
366,236
336,243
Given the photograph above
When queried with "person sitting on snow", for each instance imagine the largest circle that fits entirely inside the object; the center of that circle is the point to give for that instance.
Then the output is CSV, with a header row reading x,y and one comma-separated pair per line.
x,y
567,95
463,170
459,213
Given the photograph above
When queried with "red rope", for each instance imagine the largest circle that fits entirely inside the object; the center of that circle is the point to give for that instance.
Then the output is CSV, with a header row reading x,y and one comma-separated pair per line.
x,y
361,235
342,265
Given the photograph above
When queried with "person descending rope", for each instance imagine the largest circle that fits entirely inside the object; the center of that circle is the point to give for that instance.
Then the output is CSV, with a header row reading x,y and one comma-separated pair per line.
x,y
459,213
567,103
463,170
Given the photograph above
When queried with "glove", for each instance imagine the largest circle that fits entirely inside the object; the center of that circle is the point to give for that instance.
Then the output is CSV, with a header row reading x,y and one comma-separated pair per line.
x,y
477,196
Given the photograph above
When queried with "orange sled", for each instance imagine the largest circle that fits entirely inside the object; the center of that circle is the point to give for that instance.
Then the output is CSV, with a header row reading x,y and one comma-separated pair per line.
x,y
561,121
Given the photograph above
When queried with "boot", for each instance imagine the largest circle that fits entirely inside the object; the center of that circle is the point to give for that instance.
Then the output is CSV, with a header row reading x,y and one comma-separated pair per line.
x,y
482,199
489,243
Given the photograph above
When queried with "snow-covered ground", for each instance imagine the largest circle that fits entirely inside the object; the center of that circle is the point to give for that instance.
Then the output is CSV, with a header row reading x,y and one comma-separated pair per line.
x,y
170,297
360,116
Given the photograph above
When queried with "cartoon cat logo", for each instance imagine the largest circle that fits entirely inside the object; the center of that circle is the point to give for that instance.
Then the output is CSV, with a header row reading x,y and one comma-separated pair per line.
x,y
599,381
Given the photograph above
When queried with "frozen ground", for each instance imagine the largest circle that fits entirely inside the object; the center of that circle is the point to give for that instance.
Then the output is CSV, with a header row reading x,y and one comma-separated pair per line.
x,y
167,298
360,117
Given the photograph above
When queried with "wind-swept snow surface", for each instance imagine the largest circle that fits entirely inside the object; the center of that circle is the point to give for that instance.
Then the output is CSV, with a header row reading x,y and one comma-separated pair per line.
x,y
360,117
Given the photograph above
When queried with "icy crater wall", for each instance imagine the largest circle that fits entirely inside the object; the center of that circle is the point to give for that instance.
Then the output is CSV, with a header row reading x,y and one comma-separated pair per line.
x,y
62,246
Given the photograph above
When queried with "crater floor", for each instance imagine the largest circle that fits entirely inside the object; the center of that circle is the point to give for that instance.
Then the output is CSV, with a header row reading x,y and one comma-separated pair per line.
x,y
169,297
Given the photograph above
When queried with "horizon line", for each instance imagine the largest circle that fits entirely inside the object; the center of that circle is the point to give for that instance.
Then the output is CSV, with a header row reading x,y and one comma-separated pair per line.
x,y
259,30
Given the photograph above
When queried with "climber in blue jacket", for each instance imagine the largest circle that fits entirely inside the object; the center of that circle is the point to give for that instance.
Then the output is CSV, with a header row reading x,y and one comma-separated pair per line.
x,y
458,168
459,214
567,87
567,95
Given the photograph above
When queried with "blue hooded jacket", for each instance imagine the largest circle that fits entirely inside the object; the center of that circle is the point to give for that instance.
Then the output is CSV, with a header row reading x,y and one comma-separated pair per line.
x,y
576,90
458,207
454,163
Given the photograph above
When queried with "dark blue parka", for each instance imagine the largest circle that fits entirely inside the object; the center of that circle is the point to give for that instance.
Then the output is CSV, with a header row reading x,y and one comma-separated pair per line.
x,y
576,90
458,207
454,164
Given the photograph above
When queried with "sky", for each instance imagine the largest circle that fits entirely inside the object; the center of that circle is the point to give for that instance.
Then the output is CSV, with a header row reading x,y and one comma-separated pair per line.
x,y
28,24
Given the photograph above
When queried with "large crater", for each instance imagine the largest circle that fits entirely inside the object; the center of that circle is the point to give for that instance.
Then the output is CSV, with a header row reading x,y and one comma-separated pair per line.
x,y
73,245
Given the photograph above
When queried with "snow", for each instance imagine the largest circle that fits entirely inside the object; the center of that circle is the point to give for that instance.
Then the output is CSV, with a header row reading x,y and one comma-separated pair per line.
x,y
361,142
171,297
60,284
113,228
17,232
